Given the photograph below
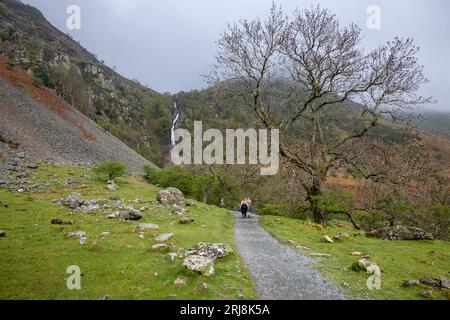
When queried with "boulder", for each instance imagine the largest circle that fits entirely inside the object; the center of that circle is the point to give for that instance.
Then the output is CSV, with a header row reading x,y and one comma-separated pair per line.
x,y
72,201
160,247
186,220
429,281
170,196
426,293
317,226
76,234
112,186
81,235
148,226
172,256
401,233
356,253
179,282
32,166
342,235
126,213
366,265
56,221
327,239
444,282
164,237
210,250
203,287
201,264
178,210
410,283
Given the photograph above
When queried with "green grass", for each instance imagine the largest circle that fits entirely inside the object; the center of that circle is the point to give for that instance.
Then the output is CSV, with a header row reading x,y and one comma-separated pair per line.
x,y
398,260
35,254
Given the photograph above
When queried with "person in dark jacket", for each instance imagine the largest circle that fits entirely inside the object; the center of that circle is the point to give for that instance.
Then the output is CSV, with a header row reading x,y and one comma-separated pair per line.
x,y
244,209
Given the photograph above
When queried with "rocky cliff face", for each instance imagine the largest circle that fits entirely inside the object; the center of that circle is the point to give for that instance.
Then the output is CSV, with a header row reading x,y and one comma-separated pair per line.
x,y
135,114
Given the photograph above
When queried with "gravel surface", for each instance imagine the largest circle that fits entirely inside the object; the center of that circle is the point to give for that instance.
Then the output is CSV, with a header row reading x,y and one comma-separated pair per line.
x,y
279,272
49,136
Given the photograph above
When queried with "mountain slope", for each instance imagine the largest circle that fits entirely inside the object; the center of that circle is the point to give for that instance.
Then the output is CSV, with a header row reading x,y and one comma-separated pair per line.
x,y
135,114
48,128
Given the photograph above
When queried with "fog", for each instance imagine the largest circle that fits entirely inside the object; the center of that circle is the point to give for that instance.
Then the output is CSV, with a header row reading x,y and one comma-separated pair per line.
x,y
169,44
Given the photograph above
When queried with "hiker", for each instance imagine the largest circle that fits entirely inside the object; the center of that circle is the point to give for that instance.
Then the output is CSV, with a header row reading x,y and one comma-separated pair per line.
x,y
244,209
248,200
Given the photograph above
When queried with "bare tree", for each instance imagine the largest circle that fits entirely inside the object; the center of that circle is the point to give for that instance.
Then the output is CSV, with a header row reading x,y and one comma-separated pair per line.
x,y
322,69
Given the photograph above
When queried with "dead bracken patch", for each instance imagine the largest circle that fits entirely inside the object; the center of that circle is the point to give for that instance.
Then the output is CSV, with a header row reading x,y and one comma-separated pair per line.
x,y
20,78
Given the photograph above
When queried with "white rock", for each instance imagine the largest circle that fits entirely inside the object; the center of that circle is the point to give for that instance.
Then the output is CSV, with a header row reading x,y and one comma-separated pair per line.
x,y
112,186
164,237
200,264
172,256
179,282
148,226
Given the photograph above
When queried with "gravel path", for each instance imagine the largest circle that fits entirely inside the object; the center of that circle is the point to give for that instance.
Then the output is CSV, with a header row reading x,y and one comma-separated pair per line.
x,y
279,272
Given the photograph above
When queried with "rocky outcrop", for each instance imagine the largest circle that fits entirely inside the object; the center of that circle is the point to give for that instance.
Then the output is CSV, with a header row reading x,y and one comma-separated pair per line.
x,y
171,196
401,233
210,250
126,213
76,202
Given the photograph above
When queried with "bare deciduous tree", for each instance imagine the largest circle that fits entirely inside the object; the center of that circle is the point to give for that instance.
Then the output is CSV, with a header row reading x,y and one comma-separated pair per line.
x,y
323,71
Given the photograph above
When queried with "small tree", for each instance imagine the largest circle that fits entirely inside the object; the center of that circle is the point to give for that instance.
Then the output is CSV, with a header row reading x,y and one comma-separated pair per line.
x,y
111,169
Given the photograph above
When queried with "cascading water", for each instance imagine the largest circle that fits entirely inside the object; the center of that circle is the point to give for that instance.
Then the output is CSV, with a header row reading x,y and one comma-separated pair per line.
x,y
174,124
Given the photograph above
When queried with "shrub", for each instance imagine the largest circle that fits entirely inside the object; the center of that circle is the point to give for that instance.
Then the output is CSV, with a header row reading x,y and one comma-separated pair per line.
x,y
176,177
41,78
270,209
4,34
110,169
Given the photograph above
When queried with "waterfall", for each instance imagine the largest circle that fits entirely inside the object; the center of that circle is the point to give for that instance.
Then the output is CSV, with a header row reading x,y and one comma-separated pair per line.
x,y
174,124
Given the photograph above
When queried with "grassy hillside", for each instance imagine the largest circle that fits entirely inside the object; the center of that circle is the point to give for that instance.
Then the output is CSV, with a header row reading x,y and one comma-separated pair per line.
x,y
398,260
35,254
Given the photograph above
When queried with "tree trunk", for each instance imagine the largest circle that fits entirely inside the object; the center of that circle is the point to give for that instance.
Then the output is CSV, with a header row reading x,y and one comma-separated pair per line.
x,y
315,192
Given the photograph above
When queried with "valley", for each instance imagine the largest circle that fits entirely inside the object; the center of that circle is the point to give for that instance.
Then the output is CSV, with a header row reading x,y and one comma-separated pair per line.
x,y
110,190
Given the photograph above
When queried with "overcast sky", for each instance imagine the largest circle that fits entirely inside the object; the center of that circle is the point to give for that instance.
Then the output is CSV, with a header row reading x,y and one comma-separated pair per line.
x,y
168,44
